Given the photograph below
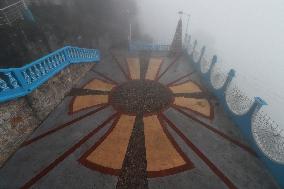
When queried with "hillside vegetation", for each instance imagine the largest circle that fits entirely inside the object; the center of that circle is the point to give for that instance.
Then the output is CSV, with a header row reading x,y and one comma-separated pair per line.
x,y
85,23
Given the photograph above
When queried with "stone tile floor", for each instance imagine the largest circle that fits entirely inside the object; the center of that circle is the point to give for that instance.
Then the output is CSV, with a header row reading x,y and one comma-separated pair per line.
x,y
137,121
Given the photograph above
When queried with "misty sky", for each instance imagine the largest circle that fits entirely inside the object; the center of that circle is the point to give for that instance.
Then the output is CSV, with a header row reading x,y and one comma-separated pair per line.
x,y
247,35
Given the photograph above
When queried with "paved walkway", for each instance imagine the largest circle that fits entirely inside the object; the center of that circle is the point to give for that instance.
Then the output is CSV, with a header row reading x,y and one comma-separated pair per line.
x,y
137,121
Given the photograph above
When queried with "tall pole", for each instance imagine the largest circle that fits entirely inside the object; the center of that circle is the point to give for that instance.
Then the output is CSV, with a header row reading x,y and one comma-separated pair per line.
x,y
186,31
130,28
130,32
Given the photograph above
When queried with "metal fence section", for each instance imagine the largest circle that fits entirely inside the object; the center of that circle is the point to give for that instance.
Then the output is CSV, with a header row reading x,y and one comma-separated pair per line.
x,y
261,132
264,135
17,82
204,64
238,102
140,46
12,13
268,136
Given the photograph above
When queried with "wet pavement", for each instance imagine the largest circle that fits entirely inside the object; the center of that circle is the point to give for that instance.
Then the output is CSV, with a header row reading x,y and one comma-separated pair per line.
x,y
137,121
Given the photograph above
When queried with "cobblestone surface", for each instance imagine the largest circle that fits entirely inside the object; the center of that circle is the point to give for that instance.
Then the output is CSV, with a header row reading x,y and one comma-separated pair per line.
x,y
140,96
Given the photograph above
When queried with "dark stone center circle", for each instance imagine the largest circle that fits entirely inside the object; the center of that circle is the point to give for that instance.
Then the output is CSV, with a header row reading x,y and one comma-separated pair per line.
x,y
141,96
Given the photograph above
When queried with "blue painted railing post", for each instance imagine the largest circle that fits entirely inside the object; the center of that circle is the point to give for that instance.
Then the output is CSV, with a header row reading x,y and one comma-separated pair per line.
x,y
258,103
244,121
14,83
18,82
248,121
3,85
229,79
67,58
191,56
207,75
21,78
193,48
200,58
213,63
220,93
188,42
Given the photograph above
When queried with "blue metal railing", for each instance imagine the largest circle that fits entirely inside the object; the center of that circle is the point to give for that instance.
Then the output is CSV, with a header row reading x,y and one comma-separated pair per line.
x,y
18,82
250,120
140,46
244,112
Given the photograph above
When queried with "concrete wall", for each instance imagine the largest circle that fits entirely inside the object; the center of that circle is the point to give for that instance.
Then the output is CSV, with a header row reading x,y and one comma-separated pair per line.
x,y
18,118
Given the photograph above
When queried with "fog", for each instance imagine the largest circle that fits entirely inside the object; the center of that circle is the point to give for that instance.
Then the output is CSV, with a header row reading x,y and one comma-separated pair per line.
x,y
245,35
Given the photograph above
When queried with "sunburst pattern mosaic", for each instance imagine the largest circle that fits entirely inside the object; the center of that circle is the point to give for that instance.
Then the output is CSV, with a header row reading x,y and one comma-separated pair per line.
x,y
140,96
138,144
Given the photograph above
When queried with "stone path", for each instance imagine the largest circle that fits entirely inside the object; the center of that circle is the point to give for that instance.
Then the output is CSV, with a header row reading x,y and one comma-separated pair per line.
x,y
137,121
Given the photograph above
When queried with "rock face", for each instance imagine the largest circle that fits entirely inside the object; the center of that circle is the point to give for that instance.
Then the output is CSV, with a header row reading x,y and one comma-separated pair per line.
x,y
18,118
17,121
50,94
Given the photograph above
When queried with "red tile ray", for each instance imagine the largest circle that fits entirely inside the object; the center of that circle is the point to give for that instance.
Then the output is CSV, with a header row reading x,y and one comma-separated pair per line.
x,y
214,168
61,158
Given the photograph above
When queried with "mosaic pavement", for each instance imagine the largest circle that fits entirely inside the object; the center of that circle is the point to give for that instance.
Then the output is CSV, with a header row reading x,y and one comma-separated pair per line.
x,y
136,121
